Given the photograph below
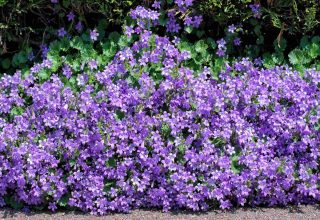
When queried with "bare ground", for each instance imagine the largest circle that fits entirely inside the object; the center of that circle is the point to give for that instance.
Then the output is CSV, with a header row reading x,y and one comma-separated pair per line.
x,y
288,213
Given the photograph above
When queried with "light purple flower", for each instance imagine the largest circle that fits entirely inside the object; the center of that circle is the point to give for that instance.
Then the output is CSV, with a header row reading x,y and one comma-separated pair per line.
x,y
93,64
156,4
66,70
94,35
129,31
232,28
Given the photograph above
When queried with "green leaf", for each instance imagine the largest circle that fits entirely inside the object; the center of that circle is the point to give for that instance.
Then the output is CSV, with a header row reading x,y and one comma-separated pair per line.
x,y
12,202
182,148
6,63
260,40
184,45
107,48
39,207
293,56
111,162
119,115
72,162
314,50
3,2
165,129
16,111
211,43
201,178
201,46
234,164
188,29
277,58
200,33
108,184
162,19
315,39
43,74
63,201
317,126
280,46
77,43
304,41
114,36
123,41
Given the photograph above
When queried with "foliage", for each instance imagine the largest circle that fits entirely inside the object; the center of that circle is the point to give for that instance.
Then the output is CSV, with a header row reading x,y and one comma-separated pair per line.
x,y
305,56
25,24
294,16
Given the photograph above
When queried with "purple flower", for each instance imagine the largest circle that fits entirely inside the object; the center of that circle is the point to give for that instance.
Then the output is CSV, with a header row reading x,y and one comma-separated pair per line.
x,y
221,52
44,50
79,26
94,35
237,41
93,64
221,43
129,31
258,61
232,28
62,32
156,4
70,16
66,70
26,210
172,25
256,10
188,21
52,206
31,56
225,204
197,21
143,13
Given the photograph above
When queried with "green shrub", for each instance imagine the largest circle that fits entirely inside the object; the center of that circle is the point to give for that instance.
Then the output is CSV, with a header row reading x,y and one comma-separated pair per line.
x,y
293,16
27,22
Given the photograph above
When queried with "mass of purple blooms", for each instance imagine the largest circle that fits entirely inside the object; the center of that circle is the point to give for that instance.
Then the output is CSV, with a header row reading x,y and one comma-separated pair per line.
x,y
187,142
174,138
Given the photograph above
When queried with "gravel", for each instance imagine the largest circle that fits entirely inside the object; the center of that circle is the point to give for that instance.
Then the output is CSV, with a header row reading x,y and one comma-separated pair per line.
x,y
290,213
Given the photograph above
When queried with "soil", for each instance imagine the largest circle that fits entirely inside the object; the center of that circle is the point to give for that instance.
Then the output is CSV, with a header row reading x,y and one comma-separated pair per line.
x,y
288,213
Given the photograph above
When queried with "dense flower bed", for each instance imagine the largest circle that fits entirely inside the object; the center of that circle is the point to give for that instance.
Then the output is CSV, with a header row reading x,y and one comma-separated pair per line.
x,y
186,142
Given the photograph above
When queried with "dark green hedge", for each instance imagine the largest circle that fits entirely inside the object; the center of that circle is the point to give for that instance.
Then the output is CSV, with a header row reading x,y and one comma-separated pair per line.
x,y
27,21
293,16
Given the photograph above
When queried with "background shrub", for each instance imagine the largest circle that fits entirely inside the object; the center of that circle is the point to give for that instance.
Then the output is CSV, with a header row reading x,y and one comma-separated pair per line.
x,y
293,16
25,25
274,20
28,24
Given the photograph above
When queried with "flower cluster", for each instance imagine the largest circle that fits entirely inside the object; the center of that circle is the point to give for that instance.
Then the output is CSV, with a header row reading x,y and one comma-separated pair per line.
x,y
256,10
221,47
151,16
186,141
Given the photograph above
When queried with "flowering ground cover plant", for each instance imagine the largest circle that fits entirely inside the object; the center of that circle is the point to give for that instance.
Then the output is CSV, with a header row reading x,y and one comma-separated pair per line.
x,y
143,120
187,142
